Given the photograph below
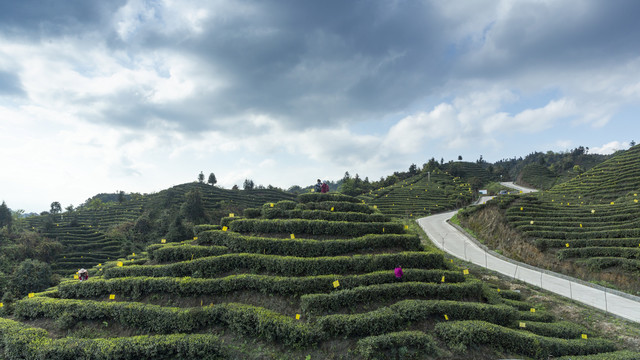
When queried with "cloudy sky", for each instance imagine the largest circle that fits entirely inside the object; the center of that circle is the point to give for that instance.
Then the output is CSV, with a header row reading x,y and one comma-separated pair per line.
x,y
133,95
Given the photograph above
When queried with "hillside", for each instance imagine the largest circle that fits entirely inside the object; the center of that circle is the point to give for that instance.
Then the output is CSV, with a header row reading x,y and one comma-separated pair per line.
x,y
98,232
421,195
312,278
587,227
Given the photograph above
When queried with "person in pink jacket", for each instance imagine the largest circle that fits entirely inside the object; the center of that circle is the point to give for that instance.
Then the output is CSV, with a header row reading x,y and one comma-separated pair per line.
x,y
398,272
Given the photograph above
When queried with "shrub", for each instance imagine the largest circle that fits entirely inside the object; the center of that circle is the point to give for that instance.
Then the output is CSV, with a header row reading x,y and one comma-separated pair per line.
x,y
474,333
375,347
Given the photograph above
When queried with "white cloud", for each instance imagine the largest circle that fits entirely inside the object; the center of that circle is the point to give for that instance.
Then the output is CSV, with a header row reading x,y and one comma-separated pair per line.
x,y
609,148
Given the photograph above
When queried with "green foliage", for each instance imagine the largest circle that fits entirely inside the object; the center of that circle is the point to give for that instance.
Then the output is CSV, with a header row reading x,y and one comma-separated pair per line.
x,y
22,342
322,303
5,216
473,333
193,208
283,265
29,276
308,247
414,342
137,287
313,227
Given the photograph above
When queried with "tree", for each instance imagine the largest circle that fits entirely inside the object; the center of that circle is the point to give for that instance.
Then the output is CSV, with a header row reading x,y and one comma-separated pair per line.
x,y
459,157
55,207
201,177
248,184
235,187
413,169
121,197
212,179
69,208
30,276
193,208
5,216
632,143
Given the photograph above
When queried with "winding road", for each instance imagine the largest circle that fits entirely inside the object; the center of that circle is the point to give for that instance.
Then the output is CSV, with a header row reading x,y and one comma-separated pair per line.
x,y
461,245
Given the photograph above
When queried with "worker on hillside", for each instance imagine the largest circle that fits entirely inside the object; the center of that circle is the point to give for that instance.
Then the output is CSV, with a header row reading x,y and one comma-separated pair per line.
x,y
318,186
325,187
399,273
83,275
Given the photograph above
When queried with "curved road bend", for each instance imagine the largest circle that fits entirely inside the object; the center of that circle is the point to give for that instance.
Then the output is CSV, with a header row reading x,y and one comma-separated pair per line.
x,y
461,245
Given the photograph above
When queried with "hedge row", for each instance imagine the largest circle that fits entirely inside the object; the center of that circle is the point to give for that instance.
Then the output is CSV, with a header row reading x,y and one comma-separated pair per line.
x,y
323,303
396,316
544,244
275,213
474,333
599,251
337,206
246,319
271,285
558,329
375,347
616,355
599,263
183,252
197,229
283,265
307,247
314,227
319,197
18,341
564,234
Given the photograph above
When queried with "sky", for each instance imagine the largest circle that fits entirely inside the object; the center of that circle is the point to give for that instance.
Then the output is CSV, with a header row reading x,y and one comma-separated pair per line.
x,y
139,96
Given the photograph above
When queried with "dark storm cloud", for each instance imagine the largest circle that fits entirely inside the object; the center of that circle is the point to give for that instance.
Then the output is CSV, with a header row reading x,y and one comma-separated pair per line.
x,y
317,61
45,18
557,35
10,84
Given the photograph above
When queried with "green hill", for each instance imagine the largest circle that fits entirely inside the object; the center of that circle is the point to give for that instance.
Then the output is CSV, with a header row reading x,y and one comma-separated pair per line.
x,y
312,278
421,195
98,232
588,227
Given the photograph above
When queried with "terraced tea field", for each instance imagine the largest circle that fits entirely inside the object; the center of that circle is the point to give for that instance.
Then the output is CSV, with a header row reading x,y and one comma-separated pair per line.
x,y
312,278
83,232
421,195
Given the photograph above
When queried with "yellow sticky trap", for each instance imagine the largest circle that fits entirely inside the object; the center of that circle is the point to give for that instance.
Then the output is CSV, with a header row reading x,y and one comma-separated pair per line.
x,y
446,317
406,227
134,254
224,228
195,238
271,204
120,263
523,325
521,208
593,211
293,236
31,295
612,203
336,284
442,279
635,200
163,241
498,289
112,297
232,215
465,272
533,310
332,208
580,225
99,264
1,305
375,206
297,316
76,277
567,244
451,260
531,222
584,336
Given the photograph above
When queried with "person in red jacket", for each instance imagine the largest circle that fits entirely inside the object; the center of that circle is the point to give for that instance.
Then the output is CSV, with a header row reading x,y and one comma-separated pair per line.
x,y
324,188
399,273
83,275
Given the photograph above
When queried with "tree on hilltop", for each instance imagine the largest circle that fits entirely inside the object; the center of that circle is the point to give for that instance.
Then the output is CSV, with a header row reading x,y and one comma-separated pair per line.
x,y
212,179
201,177
248,184
55,207
5,216
459,157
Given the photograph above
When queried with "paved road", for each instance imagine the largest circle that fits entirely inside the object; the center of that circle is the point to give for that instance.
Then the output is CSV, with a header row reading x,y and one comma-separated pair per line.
x,y
461,245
